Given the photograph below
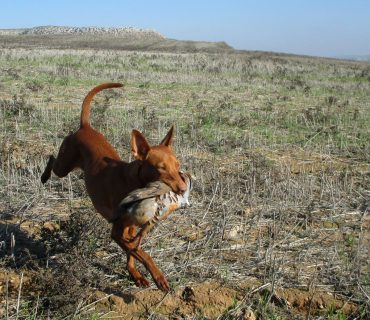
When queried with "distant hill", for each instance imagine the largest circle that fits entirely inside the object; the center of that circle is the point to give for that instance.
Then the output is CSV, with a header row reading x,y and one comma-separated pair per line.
x,y
356,57
103,38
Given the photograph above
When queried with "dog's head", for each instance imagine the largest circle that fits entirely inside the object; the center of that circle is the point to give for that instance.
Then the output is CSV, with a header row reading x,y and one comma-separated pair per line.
x,y
161,158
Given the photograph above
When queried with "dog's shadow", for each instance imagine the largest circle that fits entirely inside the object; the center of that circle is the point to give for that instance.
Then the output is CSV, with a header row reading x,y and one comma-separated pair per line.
x,y
19,250
17,247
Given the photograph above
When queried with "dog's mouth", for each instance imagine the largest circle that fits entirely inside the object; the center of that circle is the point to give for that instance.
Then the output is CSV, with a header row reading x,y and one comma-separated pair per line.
x,y
185,185
180,184
187,178
180,188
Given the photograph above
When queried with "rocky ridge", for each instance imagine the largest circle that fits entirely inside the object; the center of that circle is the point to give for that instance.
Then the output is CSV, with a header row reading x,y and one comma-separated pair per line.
x,y
62,30
122,38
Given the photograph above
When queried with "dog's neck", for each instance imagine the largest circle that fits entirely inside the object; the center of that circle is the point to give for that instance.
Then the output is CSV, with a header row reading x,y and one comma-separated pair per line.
x,y
146,172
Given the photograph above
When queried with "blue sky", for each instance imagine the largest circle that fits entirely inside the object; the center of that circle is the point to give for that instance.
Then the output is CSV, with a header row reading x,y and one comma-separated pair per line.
x,y
313,27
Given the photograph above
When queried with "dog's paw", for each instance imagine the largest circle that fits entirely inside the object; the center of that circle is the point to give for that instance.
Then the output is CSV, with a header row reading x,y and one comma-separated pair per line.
x,y
142,282
162,283
47,172
45,176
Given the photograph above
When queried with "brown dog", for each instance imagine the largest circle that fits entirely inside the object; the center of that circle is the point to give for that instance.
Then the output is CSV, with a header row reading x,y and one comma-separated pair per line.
x,y
108,179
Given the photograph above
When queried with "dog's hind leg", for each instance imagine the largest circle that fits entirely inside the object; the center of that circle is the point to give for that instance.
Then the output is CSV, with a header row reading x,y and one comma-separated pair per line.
x,y
49,167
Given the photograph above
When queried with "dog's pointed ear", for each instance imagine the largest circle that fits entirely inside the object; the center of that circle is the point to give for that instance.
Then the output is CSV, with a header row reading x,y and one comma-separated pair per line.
x,y
139,146
167,141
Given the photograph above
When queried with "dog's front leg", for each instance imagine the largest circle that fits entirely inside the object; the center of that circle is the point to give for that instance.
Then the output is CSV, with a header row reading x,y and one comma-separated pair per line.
x,y
139,279
121,236
157,275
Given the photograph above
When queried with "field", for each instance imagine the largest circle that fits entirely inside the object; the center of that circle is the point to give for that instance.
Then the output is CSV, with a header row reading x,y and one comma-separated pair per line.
x,y
279,226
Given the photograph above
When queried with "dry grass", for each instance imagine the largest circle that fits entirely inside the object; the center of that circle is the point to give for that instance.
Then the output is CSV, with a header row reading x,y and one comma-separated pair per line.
x,y
280,149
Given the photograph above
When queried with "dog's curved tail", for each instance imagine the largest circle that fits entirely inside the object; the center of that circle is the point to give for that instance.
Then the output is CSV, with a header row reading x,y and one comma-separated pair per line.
x,y
86,105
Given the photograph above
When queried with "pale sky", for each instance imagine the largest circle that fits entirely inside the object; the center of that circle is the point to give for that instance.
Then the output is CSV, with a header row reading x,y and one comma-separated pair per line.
x,y
313,27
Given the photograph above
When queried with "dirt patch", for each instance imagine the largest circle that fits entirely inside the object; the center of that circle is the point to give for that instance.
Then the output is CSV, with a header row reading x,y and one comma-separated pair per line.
x,y
299,161
12,285
207,299
10,280
306,303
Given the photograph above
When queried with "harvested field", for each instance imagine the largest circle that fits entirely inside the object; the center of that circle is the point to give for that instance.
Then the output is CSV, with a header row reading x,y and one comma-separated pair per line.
x,y
279,226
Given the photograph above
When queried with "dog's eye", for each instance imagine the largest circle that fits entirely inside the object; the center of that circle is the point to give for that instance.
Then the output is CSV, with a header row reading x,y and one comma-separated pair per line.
x,y
177,165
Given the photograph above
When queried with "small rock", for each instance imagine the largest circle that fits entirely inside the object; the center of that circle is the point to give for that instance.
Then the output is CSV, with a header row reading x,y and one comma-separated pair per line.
x,y
188,294
101,254
51,226
234,234
246,314
249,315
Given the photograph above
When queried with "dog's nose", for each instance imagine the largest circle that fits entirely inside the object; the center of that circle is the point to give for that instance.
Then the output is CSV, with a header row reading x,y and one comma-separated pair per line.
x,y
182,188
